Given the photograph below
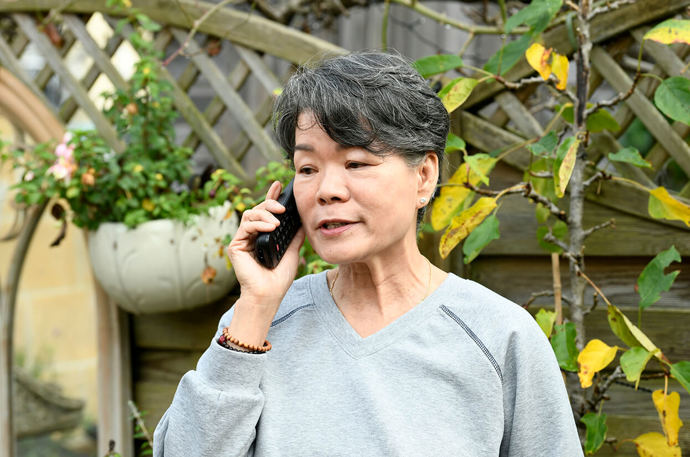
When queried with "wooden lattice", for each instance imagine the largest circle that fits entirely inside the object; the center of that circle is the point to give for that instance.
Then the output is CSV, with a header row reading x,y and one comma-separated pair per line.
x,y
205,125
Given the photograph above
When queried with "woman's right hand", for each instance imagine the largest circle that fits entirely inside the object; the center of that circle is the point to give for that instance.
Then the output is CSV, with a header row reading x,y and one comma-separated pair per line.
x,y
260,285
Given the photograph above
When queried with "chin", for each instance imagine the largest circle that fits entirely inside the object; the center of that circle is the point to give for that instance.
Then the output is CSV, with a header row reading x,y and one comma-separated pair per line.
x,y
337,255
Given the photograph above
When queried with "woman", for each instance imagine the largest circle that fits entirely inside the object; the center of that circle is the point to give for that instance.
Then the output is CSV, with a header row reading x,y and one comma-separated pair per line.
x,y
386,355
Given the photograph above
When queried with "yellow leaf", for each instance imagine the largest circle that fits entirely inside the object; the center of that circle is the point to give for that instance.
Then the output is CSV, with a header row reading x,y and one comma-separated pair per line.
x,y
667,407
464,223
458,93
654,444
670,31
538,58
147,205
452,197
559,66
593,358
663,206
565,171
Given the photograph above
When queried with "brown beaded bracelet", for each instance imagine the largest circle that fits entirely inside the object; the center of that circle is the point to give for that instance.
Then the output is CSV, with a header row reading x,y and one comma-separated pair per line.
x,y
226,337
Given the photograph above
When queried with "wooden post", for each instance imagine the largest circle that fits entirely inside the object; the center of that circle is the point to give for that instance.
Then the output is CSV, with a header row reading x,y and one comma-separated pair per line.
x,y
8,297
114,375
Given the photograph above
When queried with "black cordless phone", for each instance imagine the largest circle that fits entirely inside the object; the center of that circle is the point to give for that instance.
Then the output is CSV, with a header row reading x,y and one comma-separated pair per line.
x,y
270,246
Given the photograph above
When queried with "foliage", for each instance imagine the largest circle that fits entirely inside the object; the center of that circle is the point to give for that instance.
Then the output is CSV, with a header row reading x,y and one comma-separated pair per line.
x,y
466,213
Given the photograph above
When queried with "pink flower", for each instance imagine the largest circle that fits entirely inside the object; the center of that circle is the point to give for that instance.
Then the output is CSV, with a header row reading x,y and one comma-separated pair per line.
x,y
64,164
29,176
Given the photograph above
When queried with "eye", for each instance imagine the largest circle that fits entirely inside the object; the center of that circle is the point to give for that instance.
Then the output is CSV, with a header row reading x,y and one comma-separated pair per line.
x,y
306,170
356,165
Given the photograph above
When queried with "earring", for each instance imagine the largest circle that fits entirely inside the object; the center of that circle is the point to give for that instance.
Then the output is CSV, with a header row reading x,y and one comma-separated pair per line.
x,y
422,200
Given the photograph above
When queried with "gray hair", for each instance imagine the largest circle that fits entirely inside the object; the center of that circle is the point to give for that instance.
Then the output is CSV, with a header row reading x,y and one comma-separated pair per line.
x,y
373,100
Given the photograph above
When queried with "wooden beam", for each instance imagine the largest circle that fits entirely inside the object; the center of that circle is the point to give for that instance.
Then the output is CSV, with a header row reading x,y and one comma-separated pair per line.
x,y
197,122
44,75
615,194
100,58
215,109
233,101
246,29
9,61
70,106
53,58
259,69
643,108
521,117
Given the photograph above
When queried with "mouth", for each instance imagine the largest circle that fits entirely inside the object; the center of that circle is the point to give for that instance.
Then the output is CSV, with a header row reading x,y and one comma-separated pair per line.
x,y
334,226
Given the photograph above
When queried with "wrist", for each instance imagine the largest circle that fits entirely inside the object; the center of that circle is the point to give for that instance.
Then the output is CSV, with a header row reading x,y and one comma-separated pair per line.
x,y
251,321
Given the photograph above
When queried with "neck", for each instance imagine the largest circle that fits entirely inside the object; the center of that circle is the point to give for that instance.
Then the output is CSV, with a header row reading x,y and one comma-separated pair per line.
x,y
377,290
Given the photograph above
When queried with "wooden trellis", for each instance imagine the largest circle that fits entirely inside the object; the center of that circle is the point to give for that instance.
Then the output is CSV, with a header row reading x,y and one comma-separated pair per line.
x,y
491,119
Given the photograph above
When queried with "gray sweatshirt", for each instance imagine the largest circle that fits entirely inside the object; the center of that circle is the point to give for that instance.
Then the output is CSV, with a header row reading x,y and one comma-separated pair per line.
x,y
464,373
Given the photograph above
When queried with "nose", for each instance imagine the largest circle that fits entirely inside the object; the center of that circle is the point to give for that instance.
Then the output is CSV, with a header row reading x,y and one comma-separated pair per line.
x,y
332,188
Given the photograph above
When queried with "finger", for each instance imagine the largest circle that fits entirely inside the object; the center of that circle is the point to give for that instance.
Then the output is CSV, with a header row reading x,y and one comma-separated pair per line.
x,y
260,215
274,191
274,207
254,227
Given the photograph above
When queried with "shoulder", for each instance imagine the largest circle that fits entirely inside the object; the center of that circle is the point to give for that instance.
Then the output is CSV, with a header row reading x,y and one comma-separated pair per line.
x,y
505,328
298,296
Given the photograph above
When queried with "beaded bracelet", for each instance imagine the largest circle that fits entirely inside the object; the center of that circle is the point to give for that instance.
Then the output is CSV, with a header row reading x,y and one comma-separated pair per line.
x,y
225,344
226,338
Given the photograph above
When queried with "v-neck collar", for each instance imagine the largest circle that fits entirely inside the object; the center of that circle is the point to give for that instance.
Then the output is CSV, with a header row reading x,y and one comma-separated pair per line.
x,y
353,343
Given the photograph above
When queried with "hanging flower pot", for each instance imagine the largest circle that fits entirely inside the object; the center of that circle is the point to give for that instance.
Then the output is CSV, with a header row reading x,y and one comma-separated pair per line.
x,y
164,265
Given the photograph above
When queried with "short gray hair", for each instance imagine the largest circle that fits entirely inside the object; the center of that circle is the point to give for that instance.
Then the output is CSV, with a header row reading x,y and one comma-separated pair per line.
x,y
369,99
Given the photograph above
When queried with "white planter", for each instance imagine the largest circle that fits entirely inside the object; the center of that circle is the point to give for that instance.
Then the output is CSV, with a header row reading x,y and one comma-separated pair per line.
x,y
157,266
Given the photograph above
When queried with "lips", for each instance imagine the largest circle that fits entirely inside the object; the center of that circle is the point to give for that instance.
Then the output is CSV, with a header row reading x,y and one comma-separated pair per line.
x,y
333,227
329,224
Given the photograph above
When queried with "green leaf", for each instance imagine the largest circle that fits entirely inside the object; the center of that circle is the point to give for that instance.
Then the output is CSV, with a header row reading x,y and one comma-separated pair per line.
x,y
541,213
537,15
545,145
433,65
546,319
72,192
652,281
630,155
563,344
601,120
596,431
456,92
454,143
508,55
543,186
480,237
628,332
477,163
147,23
548,247
633,362
672,97
681,371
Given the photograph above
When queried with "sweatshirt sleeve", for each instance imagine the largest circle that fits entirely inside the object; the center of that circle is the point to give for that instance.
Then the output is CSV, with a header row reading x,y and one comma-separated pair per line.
x,y
216,407
538,417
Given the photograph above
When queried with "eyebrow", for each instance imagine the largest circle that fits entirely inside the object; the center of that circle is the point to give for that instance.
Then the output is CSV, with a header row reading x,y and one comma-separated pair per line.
x,y
304,147
310,148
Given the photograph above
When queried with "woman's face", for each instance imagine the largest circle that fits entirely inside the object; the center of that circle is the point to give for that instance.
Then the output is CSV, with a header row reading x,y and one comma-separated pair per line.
x,y
354,205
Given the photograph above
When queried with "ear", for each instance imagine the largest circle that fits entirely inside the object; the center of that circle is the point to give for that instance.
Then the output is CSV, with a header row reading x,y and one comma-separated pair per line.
x,y
427,177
